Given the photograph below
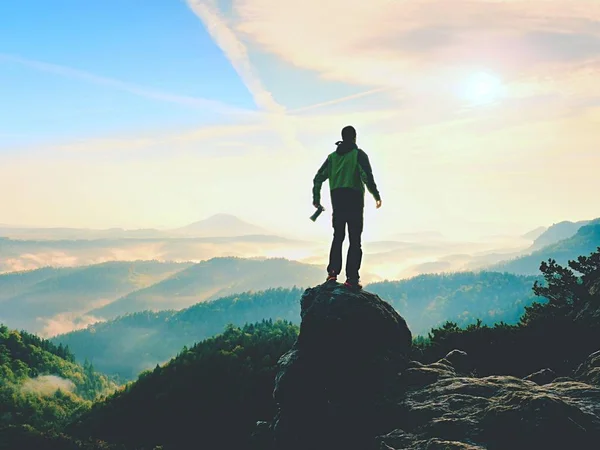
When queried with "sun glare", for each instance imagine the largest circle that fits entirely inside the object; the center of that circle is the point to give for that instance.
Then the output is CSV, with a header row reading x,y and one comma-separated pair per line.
x,y
482,88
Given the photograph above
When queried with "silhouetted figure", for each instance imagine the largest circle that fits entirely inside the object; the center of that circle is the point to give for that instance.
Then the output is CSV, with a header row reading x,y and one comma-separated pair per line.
x,y
348,170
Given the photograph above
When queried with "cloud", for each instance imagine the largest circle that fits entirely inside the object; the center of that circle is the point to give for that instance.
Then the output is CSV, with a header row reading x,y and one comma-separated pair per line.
x,y
405,43
69,72
67,322
47,385
563,47
435,161
210,140
236,52
212,136
30,261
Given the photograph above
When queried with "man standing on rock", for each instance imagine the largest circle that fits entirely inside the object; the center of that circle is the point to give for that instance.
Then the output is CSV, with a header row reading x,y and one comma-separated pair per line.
x,y
348,170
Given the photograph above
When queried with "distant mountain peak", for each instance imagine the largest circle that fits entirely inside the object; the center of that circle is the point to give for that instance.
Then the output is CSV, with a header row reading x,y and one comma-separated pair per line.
x,y
221,225
558,232
222,218
535,233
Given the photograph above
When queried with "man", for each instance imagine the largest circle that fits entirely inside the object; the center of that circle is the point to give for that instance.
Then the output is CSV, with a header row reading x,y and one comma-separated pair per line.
x,y
348,170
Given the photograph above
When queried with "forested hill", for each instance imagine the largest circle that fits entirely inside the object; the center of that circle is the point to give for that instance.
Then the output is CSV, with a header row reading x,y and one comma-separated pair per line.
x,y
31,299
130,344
53,301
559,232
210,395
15,283
584,242
212,279
40,383
138,341
427,301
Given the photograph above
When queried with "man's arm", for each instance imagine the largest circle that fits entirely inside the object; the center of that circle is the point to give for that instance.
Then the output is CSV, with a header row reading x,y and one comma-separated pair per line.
x,y
320,177
365,165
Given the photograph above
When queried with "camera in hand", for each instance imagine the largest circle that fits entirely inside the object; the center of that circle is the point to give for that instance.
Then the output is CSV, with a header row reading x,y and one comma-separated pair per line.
x,y
317,213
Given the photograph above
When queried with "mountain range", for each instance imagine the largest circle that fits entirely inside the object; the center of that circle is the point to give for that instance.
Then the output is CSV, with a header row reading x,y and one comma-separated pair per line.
x,y
20,255
583,242
559,231
221,225
529,385
57,300
139,341
212,279
54,300
218,225
535,233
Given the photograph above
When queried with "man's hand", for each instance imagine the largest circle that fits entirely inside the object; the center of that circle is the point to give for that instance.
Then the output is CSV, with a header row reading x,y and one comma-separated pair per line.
x,y
378,204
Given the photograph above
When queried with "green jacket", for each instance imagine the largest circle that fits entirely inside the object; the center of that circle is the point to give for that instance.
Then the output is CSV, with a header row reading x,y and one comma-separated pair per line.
x,y
347,167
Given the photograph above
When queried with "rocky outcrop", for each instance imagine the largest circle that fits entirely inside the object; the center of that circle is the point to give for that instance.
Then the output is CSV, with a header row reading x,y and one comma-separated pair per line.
x,y
589,370
595,289
459,360
333,386
497,412
543,376
347,384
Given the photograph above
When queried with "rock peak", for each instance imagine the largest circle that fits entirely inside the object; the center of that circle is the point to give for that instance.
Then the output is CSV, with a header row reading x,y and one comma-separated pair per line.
x,y
348,383
332,383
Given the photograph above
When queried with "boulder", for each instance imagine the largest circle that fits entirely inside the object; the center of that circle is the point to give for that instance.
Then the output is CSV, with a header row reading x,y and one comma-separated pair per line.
x,y
541,377
459,360
495,412
347,384
333,386
589,370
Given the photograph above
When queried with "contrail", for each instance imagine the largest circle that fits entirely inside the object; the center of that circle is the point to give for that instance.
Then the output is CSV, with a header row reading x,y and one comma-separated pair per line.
x,y
339,100
236,52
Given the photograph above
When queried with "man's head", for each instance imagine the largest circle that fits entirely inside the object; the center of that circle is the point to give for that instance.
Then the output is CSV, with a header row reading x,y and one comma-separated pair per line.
x,y
349,134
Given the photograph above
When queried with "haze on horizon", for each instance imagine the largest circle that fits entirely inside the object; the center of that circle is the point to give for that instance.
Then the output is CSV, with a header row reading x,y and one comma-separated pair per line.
x,y
478,121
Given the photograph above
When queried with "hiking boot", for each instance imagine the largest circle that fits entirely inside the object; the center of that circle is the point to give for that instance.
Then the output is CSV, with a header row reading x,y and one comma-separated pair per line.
x,y
353,284
332,277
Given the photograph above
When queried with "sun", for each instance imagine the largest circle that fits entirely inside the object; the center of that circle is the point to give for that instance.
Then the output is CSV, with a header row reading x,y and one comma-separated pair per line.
x,y
482,88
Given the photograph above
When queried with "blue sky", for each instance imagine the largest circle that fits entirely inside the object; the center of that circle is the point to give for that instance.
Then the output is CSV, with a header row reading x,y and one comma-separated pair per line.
x,y
159,45
159,113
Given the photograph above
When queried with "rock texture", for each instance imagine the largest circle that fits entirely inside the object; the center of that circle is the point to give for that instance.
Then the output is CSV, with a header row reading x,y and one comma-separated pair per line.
x,y
347,384
589,370
541,377
497,412
333,386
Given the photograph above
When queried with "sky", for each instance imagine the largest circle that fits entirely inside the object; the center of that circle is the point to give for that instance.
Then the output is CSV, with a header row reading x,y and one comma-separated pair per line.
x,y
479,117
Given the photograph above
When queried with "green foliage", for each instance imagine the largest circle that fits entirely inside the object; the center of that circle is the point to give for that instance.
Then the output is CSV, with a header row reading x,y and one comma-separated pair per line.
x,y
27,437
15,283
558,332
40,384
428,301
136,342
211,394
565,290
139,341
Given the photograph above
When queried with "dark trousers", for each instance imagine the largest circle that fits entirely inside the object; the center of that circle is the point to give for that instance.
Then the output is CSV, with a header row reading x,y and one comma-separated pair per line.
x,y
348,208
